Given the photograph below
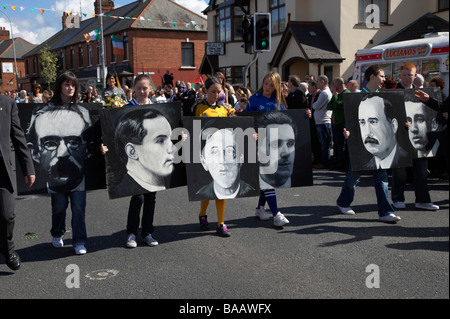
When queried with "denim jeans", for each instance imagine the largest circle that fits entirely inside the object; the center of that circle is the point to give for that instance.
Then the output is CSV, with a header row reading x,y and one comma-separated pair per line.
x,y
399,177
60,202
137,201
325,136
380,179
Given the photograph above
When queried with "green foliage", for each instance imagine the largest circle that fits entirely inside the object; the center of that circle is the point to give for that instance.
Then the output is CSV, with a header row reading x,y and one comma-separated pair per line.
x,y
49,65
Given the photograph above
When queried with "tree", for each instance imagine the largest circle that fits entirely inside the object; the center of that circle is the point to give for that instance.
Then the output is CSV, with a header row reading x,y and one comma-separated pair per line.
x,y
49,65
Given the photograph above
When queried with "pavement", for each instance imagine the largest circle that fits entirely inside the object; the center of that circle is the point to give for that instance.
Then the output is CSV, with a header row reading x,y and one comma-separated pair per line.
x,y
321,254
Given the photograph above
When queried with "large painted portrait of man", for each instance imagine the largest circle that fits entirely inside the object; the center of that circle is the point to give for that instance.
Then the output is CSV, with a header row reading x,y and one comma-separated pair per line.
x,y
64,143
426,132
142,150
284,149
221,160
378,135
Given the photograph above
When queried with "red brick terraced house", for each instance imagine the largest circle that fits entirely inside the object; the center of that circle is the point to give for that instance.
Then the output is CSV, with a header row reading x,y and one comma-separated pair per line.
x,y
157,35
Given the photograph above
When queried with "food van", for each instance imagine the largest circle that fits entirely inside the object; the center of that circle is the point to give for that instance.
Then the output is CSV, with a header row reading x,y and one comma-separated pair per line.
x,y
429,54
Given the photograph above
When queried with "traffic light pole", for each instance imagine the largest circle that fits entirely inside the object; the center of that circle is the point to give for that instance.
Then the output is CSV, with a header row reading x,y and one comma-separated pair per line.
x,y
255,57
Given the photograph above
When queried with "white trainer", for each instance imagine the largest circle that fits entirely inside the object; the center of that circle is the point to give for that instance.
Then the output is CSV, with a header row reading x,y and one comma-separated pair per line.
x,y
389,218
346,210
399,205
261,214
279,220
80,250
57,242
131,241
427,206
149,240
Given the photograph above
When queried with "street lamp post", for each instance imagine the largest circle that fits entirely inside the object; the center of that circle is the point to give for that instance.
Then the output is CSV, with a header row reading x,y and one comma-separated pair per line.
x,y
14,50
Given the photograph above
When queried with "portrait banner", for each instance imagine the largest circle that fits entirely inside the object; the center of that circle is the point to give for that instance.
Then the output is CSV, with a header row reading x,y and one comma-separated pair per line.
x,y
65,146
428,134
284,148
378,133
143,149
220,158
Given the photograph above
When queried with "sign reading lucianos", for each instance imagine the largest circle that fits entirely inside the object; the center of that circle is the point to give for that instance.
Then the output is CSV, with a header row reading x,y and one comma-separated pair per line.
x,y
401,53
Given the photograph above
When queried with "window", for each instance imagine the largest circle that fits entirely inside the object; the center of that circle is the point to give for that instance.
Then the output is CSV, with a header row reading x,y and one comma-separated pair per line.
x,y
89,54
187,54
234,74
278,11
443,5
228,24
382,4
63,61
125,47
72,58
80,57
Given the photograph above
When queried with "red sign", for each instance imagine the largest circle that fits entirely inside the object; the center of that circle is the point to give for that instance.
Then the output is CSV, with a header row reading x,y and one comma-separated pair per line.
x,y
409,52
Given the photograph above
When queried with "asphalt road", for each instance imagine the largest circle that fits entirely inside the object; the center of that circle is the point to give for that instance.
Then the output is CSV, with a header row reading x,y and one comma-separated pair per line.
x,y
320,254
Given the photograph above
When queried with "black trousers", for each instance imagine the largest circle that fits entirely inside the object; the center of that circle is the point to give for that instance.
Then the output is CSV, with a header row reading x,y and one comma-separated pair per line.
x,y
148,201
6,212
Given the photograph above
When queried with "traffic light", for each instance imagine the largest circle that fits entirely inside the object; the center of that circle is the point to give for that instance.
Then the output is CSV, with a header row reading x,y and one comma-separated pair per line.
x,y
262,32
247,33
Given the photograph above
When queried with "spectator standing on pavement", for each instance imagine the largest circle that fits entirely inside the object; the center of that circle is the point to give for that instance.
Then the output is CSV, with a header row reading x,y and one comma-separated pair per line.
x,y
296,98
322,118
336,105
374,75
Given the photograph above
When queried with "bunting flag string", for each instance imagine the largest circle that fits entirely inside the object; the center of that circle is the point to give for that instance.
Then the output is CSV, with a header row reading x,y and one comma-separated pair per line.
x,y
42,10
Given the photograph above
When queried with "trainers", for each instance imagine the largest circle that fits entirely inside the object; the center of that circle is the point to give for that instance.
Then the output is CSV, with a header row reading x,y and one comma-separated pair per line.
x,y
399,205
222,231
427,206
279,220
57,242
149,240
346,210
131,241
261,214
80,250
390,218
204,225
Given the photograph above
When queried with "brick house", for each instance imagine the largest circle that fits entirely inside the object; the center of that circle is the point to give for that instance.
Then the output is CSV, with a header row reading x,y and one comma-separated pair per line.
x,y
157,35
7,67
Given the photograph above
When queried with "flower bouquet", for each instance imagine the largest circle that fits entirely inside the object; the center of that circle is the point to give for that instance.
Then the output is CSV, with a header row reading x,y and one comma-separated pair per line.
x,y
113,101
230,110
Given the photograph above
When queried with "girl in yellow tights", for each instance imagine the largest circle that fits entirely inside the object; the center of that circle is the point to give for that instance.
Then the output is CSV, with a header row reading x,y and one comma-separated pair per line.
x,y
209,106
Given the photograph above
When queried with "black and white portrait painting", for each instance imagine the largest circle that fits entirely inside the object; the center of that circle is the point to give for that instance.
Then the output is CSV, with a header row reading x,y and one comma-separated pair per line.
x,y
427,130
221,159
378,135
64,143
142,149
284,149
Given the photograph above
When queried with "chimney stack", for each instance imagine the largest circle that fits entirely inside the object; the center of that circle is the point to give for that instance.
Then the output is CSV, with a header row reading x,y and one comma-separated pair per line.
x,y
4,34
107,6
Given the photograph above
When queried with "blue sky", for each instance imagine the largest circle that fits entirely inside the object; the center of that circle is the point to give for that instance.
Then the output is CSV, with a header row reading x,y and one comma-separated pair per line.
x,y
30,24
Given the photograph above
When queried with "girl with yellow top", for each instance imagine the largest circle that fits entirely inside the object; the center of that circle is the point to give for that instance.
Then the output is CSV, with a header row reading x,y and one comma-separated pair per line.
x,y
210,107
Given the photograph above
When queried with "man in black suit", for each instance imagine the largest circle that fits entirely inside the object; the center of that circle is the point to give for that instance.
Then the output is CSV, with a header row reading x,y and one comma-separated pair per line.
x,y
10,130
188,99
296,98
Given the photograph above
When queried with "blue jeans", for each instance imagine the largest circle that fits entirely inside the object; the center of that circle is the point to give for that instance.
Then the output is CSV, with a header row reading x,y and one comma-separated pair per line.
x,y
60,202
380,179
325,136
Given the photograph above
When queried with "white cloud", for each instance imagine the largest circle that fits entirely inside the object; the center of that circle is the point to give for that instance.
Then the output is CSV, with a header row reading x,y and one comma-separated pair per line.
x,y
33,31
196,6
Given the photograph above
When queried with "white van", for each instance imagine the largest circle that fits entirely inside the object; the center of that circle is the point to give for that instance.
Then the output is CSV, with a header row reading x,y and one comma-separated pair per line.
x,y
430,56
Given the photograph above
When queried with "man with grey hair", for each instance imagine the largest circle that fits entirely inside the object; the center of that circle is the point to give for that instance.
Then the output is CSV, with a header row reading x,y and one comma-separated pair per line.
x,y
419,81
